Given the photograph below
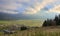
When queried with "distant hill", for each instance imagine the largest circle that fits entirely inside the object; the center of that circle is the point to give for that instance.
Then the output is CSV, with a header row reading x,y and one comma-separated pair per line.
x,y
5,16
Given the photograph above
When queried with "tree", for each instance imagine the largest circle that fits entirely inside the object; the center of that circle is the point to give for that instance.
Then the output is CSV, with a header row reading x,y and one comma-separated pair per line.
x,y
56,19
54,22
58,22
45,23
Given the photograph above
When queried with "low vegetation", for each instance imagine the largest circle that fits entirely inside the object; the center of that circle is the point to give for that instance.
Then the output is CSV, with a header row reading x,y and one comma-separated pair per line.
x,y
41,31
50,27
23,22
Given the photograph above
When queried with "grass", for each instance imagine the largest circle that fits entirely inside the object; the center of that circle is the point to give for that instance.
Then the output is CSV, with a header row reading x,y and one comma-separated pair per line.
x,y
25,22
36,32
41,31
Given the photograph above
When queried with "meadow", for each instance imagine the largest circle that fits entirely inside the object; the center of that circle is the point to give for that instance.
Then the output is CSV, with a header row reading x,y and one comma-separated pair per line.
x,y
37,23
36,32
40,31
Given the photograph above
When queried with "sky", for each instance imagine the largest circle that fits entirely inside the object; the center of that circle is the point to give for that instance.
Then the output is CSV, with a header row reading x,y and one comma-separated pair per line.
x,y
37,8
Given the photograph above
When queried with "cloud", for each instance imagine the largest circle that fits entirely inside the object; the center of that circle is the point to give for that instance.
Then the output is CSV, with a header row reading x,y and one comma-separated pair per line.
x,y
9,11
26,6
37,6
9,6
55,9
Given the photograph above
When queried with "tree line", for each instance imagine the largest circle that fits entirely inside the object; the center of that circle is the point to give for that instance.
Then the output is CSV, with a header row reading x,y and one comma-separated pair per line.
x,y
52,22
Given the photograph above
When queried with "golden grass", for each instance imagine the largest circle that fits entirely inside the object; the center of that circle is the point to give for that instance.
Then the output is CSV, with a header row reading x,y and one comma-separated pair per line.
x,y
37,32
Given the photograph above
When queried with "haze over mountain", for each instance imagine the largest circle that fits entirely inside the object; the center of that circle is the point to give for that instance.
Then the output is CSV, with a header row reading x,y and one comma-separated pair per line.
x,y
5,16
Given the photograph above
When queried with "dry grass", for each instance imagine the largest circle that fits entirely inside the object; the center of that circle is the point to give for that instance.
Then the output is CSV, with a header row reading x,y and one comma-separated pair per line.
x,y
46,31
41,31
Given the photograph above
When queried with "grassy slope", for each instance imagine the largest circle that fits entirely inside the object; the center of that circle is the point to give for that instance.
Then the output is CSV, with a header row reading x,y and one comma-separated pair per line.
x,y
45,31
25,22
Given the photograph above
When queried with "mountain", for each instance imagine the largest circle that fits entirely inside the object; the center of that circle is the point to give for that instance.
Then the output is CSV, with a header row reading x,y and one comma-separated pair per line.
x,y
5,16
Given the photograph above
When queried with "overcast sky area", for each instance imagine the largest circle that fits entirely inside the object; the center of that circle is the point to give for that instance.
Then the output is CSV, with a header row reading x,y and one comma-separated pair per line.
x,y
37,8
